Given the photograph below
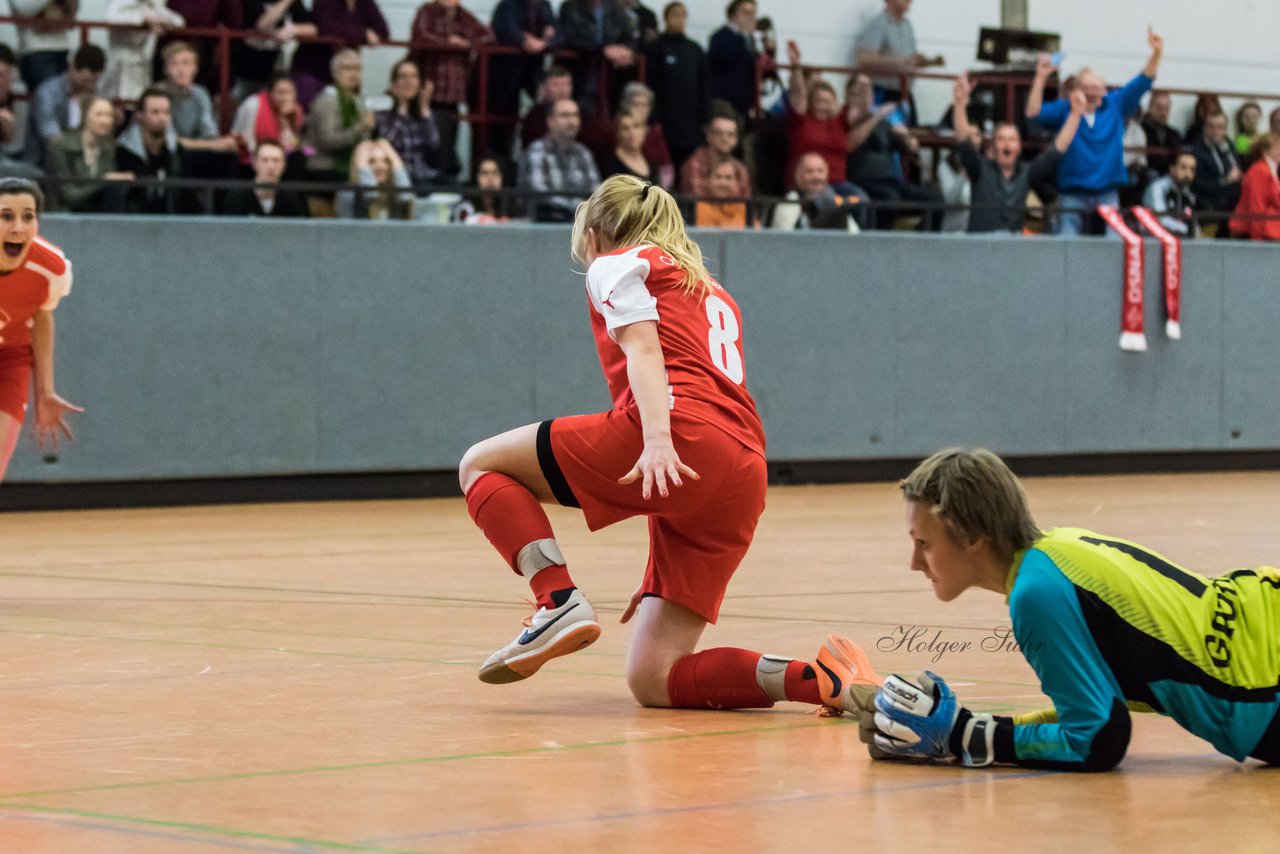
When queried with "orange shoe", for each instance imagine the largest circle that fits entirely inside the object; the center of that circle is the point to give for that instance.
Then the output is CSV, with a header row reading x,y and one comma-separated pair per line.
x,y
550,633
846,681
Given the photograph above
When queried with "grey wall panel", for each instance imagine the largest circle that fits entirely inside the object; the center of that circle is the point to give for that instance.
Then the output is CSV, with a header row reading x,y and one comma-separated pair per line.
x,y
820,343
981,344
1168,398
1251,346
223,347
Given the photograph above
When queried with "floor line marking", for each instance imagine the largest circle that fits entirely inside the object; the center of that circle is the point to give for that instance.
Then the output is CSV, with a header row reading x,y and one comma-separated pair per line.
x,y
424,760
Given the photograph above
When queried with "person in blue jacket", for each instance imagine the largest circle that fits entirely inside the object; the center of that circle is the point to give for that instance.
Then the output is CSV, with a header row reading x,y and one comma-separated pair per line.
x,y
1108,626
1092,170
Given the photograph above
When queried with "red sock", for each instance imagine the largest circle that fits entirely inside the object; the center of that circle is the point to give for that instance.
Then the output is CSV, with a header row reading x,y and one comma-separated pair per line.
x,y
511,518
802,684
722,678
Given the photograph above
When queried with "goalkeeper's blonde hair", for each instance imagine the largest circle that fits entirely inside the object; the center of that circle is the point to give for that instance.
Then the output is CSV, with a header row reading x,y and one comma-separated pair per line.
x,y
625,211
975,495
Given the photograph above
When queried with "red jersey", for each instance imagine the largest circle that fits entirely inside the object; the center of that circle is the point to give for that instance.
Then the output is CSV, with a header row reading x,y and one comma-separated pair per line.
x,y
42,280
701,339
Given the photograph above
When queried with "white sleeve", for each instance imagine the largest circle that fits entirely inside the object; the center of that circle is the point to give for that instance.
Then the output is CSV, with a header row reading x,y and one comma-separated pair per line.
x,y
59,287
616,286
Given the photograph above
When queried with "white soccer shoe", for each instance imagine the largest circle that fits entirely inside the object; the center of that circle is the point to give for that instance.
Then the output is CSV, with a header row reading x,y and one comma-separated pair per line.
x,y
549,633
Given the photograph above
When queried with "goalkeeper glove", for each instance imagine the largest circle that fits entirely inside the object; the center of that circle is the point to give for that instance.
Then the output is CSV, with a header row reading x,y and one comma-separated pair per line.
x,y
923,720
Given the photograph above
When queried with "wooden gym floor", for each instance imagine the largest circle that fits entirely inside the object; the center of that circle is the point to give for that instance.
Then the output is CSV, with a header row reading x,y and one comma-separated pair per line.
x,y
302,678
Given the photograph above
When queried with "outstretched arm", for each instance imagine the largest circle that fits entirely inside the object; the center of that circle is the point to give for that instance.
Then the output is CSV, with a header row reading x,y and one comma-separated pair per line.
x,y
50,408
1063,140
1035,98
960,107
1157,51
798,90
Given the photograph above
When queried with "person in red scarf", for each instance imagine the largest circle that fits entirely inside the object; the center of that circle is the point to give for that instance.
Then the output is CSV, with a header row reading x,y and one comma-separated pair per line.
x,y
1260,193
275,114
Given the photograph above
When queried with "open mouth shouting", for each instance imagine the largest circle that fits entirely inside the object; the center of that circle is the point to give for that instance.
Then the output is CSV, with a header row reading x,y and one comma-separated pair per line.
x,y
14,248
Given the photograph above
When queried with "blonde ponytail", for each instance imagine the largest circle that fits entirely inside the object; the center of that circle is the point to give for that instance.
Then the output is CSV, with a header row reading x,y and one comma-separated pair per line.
x,y
625,211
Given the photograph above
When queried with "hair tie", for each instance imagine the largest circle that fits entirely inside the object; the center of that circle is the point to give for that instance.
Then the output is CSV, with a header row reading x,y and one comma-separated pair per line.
x,y
644,194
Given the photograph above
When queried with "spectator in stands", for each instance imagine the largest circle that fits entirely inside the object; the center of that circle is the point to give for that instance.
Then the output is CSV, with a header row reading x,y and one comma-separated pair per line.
x,y
628,156
43,44
192,109
595,28
1274,122
721,135
1170,197
816,203
130,52
411,127
1248,118
13,123
358,23
531,26
880,143
148,148
80,163
643,21
1159,133
1218,173
254,61
203,14
1134,143
555,86
888,42
444,24
637,99
1000,183
55,107
678,72
559,164
273,114
815,122
722,208
1206,105
266,198
376,166
732,55
1260,193
1092,171
485,204
338,121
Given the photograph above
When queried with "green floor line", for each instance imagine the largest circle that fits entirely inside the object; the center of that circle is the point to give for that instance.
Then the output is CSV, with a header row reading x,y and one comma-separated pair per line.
x,y
402,763
212,830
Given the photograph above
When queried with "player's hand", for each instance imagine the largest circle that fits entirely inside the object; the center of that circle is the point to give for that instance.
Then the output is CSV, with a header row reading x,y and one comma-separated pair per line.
x,y
659,465
633,604
921,719
50,409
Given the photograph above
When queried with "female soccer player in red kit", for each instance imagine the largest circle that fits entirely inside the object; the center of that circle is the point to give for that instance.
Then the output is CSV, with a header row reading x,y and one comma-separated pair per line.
x,y
34,276
683,446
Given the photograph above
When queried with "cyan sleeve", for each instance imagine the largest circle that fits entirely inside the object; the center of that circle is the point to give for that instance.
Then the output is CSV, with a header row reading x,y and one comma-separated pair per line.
x,y
1092,730
1131,94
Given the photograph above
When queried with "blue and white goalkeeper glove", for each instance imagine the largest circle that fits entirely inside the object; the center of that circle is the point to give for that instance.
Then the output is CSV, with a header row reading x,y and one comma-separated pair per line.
x,y
922,719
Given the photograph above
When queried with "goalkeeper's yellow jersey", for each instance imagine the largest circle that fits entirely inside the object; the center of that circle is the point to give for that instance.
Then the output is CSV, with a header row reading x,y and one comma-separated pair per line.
x,y
1110,626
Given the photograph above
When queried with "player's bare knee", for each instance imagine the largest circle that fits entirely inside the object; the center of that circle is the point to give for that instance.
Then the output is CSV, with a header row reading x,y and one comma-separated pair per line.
x,y
469,468
648,684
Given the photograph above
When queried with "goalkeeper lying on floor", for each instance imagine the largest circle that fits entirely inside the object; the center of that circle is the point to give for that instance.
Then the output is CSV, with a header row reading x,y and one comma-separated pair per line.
x,y
1107,625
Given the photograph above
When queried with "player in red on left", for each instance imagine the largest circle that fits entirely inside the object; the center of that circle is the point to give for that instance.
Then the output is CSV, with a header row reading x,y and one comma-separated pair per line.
x,y
682,446
34,277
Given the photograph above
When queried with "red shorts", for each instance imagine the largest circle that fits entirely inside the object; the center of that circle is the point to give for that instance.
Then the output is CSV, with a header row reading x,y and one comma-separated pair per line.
x,y
698,534
15,381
